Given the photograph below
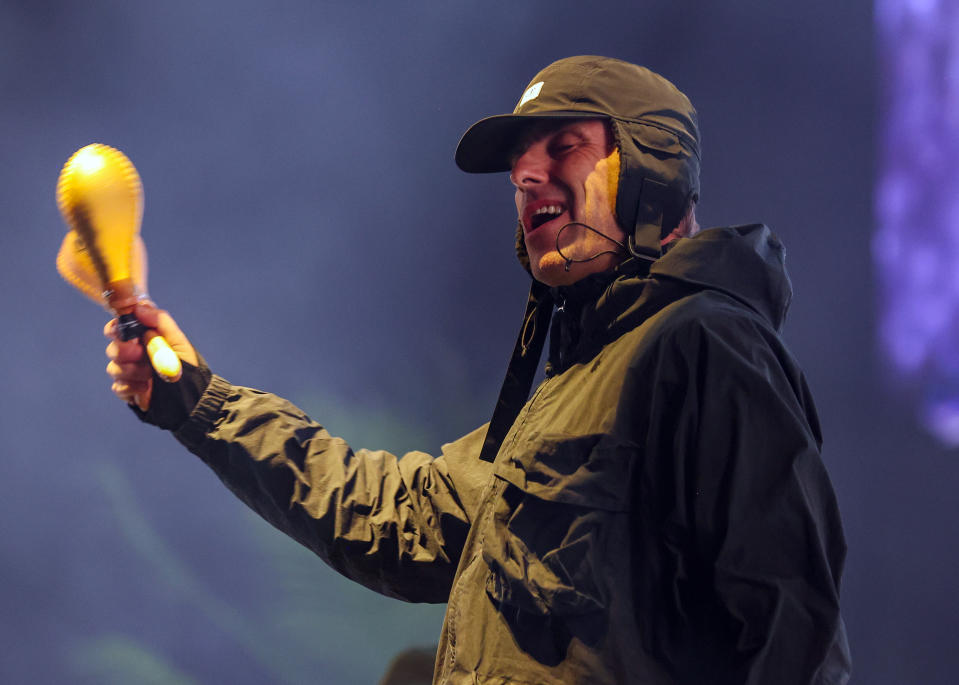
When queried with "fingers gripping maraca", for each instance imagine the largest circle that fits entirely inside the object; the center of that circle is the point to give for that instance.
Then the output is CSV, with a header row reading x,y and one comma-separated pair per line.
x,y
100,197
129,365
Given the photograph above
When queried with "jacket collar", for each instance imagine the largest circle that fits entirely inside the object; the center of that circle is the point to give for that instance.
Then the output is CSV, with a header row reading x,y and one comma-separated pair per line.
x,y
745,262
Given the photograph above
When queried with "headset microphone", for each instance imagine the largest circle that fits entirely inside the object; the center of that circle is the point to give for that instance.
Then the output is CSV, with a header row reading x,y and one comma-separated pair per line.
x,y
570,261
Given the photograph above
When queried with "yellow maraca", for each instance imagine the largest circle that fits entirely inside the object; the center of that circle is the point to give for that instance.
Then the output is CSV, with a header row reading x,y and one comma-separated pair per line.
x,y
100,197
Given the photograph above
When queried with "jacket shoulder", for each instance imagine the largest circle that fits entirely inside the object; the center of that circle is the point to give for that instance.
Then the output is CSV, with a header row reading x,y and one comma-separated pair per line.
x,y
710,316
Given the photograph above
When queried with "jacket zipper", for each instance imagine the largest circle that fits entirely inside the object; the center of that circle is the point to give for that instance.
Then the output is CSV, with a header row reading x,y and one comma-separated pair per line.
x,y
476,551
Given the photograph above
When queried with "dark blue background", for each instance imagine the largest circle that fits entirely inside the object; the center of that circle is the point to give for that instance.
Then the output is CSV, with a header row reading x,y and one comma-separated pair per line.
x,y
309,231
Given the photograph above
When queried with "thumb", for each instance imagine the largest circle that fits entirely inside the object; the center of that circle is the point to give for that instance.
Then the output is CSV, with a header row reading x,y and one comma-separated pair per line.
x,y
159,320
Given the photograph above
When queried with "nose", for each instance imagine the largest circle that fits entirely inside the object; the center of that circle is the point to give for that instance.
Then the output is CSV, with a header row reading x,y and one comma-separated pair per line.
x,y
530,168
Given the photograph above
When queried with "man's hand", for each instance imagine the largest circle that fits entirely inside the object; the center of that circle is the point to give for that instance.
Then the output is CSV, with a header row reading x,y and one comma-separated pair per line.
x,y
129,366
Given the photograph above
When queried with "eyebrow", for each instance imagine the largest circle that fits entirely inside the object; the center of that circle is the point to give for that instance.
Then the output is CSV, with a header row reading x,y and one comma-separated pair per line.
x,y
537,131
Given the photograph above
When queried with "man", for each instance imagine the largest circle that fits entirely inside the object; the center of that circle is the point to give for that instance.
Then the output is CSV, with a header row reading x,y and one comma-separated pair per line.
x,y
657,511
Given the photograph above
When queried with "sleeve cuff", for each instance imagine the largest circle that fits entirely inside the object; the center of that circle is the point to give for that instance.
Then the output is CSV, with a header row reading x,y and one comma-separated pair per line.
x,y
204,416
172,403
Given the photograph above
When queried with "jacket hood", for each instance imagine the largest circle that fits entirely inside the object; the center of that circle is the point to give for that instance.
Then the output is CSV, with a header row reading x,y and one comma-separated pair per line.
x,y
745,262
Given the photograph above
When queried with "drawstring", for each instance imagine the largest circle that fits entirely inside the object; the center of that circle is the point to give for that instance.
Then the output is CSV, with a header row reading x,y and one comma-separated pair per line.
x,y
528,333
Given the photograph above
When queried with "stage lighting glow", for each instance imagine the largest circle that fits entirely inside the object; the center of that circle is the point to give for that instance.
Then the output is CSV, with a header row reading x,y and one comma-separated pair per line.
x,y
916,245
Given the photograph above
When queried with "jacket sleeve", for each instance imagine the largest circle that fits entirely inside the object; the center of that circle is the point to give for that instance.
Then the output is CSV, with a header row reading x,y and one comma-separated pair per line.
x,y
395,525
751,510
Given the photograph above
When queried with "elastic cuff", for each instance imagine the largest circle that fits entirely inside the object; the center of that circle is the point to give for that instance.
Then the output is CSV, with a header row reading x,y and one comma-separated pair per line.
x,y
172,403
195,429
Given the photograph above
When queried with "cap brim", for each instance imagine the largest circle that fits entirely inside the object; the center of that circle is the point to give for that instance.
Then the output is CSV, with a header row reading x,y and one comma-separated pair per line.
x,y
487,145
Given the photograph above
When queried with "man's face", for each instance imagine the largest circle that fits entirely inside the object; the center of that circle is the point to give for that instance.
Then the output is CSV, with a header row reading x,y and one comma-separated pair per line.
x,y
562,174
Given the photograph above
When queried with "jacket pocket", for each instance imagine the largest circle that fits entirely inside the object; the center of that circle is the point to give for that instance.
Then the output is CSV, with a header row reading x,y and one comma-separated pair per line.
x,y
553,531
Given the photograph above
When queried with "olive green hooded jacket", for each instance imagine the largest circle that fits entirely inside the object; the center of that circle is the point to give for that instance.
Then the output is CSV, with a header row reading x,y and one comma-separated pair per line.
x,y
658,512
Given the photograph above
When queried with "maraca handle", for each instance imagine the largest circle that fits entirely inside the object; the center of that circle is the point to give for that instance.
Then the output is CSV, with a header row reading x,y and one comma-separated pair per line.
x,y
162,357
129,327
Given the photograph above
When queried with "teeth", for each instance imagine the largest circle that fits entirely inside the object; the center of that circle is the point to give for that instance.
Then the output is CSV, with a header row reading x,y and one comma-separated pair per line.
x,y
549,209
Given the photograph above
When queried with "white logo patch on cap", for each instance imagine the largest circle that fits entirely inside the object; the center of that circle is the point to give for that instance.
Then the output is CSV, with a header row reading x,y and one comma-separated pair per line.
x,y
531,93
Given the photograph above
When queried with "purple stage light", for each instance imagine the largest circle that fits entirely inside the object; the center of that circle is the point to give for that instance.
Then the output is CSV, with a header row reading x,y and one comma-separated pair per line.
x,y
916,245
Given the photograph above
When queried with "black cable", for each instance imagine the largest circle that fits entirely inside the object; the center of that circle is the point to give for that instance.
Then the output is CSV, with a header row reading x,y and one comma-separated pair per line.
x,y
569,260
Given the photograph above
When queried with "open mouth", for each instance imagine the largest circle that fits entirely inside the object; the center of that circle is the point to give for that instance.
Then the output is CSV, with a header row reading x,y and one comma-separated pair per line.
x,y
544,214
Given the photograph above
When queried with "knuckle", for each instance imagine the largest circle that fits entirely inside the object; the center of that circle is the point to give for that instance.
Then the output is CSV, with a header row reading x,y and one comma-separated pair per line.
x,y
138,372
129,351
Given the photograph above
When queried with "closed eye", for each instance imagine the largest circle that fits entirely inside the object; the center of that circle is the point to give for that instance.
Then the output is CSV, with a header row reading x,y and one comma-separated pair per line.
x,y
564,143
